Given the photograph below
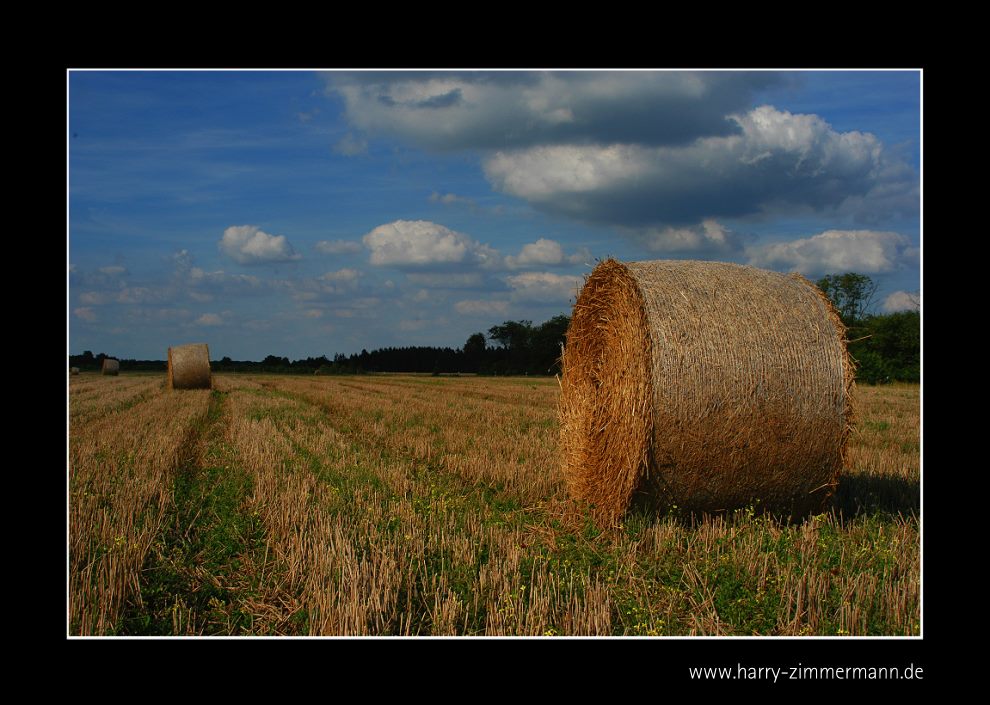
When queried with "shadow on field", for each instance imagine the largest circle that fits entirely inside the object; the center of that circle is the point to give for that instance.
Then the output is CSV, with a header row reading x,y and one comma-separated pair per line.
x,y
873,494
857,495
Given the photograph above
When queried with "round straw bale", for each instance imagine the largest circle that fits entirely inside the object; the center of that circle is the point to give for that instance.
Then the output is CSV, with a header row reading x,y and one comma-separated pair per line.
x,y
189,367
111,367
705,386
73,370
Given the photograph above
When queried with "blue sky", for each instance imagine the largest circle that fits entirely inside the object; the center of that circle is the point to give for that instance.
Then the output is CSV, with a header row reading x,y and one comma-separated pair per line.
x,y
302,213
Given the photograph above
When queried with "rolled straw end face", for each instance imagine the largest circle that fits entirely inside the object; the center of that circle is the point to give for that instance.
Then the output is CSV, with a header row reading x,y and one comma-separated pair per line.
x,y
705,385
606,406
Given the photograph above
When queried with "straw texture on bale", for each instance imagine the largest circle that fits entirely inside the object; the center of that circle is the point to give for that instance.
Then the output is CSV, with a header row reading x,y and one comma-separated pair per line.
x,y
73,370
706,386
189,367
111,367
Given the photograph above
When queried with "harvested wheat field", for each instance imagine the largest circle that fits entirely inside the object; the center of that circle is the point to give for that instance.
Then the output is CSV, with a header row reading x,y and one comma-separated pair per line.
x,y
416,505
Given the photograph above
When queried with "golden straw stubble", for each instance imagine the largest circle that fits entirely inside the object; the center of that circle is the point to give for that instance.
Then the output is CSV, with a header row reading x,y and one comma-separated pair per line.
x,y
189,367
707,386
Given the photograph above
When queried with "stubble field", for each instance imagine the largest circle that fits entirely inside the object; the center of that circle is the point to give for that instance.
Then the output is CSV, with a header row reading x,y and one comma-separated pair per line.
x,y
405,505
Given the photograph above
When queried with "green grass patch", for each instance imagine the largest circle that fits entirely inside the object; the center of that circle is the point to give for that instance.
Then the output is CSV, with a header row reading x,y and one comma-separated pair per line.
x,y
196,575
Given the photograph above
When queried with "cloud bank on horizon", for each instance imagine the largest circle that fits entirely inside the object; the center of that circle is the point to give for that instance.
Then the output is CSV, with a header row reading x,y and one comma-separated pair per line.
x,y
384,208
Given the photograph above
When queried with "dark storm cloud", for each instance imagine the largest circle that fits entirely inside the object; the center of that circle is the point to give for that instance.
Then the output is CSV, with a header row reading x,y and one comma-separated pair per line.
x,y
502,110
659,155
778,163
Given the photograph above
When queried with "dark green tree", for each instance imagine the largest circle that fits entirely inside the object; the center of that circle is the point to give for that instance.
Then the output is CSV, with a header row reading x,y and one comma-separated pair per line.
x,y
512,335
547,340
851,293
888,348
474,352
516,354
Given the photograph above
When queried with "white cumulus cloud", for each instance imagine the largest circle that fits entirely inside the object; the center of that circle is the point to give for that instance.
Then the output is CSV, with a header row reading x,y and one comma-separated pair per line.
x,y
708,236
85,313
142,294
342,276
95,298
220,280
482,307
449,199
447,280
901,301
209,319
545,252
248,244
337,247
778,162
421,243
544,287
835,251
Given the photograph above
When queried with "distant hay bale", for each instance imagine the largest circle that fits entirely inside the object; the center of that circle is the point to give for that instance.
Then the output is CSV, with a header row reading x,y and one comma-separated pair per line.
x,y
703,385
73,370
111,367
189,367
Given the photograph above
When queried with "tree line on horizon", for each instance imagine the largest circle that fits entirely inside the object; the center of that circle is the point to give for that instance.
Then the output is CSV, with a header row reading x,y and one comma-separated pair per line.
x,y
512,348
886,347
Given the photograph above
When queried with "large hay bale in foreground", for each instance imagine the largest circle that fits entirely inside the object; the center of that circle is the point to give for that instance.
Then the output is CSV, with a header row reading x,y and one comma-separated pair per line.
x,y
111,367
703,385
189,367
73,370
